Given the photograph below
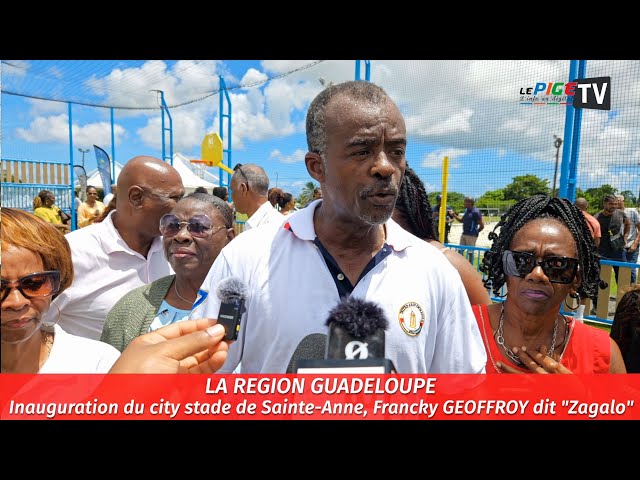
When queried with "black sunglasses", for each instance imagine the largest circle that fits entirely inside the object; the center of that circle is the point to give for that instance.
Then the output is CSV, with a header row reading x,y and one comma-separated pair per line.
x,y
198,226
40,284
237,168
557,269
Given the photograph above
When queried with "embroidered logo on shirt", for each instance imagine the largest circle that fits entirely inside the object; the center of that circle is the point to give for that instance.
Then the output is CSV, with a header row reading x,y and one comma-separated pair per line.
x,y
411,317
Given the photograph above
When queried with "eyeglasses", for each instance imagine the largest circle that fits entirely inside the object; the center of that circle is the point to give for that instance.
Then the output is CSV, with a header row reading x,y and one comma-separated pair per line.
x,y
238,167
557,269
198,226
92,193
40,284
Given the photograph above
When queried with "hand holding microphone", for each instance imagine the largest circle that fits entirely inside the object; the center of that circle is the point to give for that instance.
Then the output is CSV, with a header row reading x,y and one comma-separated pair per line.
x,y
190,346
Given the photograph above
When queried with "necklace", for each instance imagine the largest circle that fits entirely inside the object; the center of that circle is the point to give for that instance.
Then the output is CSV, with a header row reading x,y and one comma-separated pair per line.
x,y
47,339
507,350
175,287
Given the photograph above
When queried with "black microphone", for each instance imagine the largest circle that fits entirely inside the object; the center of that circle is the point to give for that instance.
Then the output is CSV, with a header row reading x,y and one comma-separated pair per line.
x,y
232,292
356,341
310,347
356,330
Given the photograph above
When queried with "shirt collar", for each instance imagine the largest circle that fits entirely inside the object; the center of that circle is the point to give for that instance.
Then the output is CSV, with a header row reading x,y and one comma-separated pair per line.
x,y
259,214
301,225
113,242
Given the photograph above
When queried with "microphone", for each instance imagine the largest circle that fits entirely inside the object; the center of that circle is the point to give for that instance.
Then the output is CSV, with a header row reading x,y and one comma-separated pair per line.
x,y
232,292
356,341
310,347
356,330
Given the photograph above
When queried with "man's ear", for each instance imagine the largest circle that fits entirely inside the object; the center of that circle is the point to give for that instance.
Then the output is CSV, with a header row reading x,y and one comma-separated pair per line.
x,y
315,166
136,195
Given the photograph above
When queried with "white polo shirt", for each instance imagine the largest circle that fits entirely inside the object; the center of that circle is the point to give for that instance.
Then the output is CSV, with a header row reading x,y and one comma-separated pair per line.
x,y
105,268
265,214
432,328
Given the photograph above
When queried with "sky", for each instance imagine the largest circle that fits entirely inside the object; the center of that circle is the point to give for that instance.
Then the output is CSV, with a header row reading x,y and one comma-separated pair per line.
x,y
467,110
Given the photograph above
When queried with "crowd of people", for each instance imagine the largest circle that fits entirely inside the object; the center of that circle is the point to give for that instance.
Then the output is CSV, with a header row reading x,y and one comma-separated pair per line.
x,y
134,289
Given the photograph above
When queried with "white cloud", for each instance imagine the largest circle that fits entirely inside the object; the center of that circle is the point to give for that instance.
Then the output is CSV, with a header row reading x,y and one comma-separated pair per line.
x,y
188,132
55,129
435,159
457,122
253,76
55,72
42,107
297,156
16,68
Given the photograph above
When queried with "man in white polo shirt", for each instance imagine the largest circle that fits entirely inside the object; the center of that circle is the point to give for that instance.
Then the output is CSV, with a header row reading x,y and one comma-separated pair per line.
x,y
122,252
249,187
347,244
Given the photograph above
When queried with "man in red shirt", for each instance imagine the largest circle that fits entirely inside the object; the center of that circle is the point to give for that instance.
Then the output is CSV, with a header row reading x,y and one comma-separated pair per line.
x,y
592,223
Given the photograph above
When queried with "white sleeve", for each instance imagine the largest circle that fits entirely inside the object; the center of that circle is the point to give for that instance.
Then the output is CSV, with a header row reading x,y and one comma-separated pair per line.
x,y
209,307
459,345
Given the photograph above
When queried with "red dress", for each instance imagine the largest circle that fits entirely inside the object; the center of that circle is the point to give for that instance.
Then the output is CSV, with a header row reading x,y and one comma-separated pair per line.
x,y
588,349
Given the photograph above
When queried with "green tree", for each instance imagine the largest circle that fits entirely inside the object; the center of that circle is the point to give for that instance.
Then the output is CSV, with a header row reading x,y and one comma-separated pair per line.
x,y
524,186
595,195
630,200
306,195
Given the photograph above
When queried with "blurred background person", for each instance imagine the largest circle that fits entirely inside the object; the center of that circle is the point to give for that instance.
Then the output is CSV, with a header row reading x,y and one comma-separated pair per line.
x,y
625,330
592,223
90,210
36,268
194,233
274,194
543,253
249,188
44,208
630,250
221,192
200,190
413,213
286,203
317,193
107,210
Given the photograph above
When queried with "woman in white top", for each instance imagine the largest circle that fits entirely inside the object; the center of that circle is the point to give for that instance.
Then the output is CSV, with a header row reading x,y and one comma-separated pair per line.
x,y
36,267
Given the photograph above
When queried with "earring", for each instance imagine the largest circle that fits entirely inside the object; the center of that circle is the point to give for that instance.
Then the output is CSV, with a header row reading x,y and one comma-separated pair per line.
x,y
49,325
574,296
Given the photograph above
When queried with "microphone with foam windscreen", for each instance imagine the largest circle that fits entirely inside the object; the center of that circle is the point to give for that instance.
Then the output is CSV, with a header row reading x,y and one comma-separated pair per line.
x,y
232,293
310,347
356,341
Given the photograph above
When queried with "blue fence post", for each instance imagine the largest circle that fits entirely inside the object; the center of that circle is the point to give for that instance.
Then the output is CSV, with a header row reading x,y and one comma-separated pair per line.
x,y
575,147
72,173
113,151
224,94
568,136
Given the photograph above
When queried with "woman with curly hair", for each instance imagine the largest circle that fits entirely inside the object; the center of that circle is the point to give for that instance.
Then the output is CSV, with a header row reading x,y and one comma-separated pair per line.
x,y
543,253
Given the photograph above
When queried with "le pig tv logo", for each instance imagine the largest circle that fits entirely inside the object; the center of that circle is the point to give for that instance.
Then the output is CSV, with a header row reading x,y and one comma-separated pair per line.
x,y
592,93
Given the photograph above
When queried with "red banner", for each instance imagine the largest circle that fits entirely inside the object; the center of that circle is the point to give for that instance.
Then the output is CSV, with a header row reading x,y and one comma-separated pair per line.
x,y
316,397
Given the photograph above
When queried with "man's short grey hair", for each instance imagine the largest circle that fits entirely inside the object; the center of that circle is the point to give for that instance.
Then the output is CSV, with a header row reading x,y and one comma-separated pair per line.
x,y
316,115
256,177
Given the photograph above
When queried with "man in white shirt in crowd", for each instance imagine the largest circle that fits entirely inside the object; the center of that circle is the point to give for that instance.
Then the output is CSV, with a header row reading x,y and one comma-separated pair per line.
x,y
122,252
630,251
249,187
346,244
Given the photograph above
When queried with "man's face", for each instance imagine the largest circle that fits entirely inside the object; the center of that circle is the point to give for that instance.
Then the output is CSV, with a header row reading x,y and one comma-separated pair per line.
x,y
159,198
468,204
610,206
365,159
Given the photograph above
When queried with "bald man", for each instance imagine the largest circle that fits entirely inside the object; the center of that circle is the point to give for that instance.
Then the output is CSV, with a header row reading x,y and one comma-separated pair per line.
x,y
122,252
592,223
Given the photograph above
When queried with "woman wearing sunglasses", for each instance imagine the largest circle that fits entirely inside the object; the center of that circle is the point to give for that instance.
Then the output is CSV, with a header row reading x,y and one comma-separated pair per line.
x,y
543,253
194,233
36,267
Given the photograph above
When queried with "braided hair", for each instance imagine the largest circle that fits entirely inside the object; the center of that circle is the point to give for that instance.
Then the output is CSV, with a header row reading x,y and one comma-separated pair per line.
x,y
413,202
533,208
